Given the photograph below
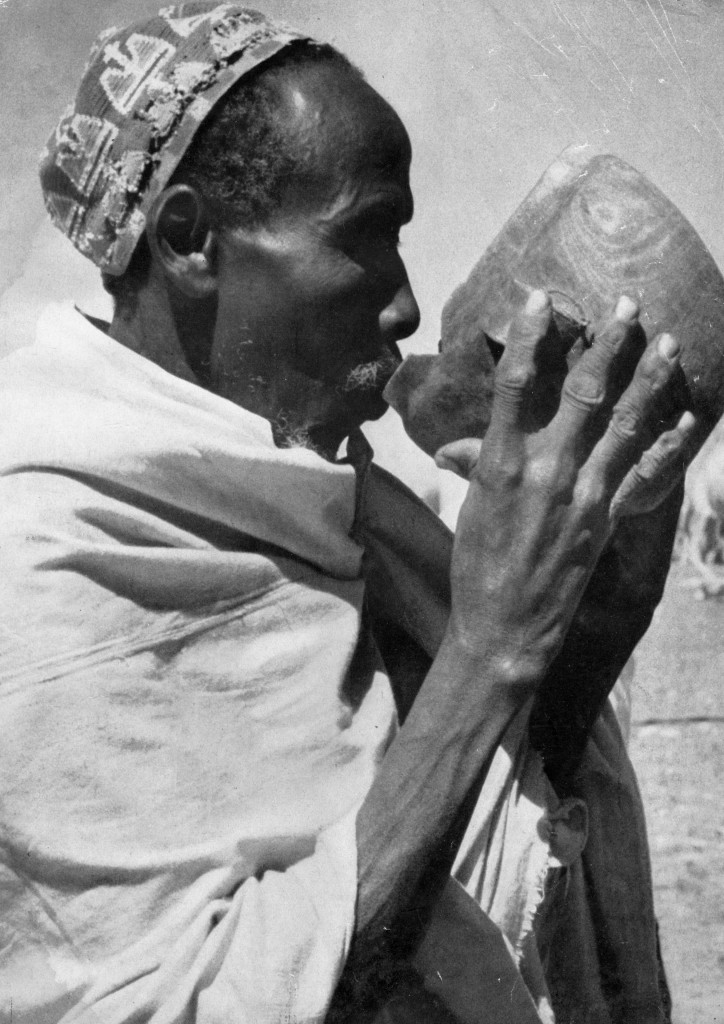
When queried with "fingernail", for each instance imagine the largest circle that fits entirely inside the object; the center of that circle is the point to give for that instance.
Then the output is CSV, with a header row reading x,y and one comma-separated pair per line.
x,y
668,347
626,309
687,421
443,461
537,301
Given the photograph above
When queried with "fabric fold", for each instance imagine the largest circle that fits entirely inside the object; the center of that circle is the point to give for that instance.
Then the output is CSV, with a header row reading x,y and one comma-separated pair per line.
x,y
190,710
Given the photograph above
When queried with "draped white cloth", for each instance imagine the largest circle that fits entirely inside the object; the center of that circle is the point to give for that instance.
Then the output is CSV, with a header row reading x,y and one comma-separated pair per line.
x,y
188,725
191,714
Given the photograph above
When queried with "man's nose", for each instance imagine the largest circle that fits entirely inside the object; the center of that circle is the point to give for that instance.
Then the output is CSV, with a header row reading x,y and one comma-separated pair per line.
x,y
401,317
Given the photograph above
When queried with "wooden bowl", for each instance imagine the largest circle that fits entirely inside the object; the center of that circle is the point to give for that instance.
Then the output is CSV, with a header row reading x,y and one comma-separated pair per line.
x,y
592,229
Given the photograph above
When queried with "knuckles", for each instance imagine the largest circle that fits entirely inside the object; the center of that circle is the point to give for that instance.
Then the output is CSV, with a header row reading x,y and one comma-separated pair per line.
x,y
626,422
591,492
584,390
513,380
497,469
550,473
672,444
656,460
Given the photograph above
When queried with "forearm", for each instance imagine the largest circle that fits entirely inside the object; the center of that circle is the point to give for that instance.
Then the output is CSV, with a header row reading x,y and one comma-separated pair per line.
x,y
438,758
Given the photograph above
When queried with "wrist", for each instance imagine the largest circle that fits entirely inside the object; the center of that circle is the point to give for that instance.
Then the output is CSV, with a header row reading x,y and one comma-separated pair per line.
x,y
512,669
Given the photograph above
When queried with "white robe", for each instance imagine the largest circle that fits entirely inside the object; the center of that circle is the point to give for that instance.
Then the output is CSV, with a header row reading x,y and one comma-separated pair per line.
x,y
190,717
185,736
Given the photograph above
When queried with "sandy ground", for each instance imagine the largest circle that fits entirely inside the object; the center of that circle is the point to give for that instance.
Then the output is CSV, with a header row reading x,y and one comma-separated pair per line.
x,y
677,746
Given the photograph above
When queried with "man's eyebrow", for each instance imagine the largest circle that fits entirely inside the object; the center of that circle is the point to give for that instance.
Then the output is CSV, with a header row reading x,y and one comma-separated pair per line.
x,y
398,208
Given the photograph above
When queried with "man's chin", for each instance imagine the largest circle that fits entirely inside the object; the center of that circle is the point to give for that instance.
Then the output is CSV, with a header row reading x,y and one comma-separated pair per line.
x,y
365,405
326,436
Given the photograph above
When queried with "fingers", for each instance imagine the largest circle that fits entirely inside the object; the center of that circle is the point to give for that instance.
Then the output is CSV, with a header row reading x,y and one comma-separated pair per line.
x,y
460,457
515,380
515,374
600,375
627,437
658,470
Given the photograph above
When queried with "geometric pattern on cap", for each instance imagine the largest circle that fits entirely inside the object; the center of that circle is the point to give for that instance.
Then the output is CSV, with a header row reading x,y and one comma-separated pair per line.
x,y
145,91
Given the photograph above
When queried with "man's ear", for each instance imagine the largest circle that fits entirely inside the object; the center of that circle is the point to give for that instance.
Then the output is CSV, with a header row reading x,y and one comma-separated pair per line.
x,y
182,241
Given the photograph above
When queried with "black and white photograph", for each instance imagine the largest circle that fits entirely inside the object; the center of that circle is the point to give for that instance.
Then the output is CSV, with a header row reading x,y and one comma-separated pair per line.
x,y
362,512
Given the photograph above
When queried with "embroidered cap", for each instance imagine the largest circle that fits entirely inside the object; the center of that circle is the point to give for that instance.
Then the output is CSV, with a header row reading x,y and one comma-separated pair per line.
x,y
144,93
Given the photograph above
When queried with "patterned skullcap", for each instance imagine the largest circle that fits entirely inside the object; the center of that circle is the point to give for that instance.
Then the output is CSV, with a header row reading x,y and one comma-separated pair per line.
x,y
144,92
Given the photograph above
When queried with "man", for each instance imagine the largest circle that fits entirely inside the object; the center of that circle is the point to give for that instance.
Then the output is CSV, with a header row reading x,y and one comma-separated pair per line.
x,y
209,810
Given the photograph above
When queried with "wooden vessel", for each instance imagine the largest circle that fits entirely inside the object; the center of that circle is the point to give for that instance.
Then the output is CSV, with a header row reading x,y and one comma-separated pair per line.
x,y
593,228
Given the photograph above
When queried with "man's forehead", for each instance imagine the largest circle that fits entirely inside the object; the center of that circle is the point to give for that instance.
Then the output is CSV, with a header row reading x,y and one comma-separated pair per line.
x,y
342,123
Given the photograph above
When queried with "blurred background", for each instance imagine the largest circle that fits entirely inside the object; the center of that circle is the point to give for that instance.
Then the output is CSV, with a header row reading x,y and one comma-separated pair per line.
x,y
490,92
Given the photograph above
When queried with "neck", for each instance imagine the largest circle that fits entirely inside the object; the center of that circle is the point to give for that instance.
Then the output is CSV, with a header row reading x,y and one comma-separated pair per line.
x,y
156,327
177,335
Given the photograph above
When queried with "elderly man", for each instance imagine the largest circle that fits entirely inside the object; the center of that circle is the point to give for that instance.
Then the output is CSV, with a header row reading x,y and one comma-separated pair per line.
x,y
211,811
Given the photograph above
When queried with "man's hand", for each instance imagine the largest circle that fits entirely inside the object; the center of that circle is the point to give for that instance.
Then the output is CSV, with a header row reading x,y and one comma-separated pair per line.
x,y
543,499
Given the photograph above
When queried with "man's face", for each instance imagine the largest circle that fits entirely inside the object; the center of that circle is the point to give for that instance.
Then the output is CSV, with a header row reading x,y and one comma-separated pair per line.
x,y
312,304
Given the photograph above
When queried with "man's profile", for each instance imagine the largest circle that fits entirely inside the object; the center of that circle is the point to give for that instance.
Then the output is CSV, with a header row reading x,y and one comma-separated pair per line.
x,y
269,705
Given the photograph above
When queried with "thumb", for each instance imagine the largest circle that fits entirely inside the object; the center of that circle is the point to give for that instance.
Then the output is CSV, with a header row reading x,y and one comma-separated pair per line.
x,y
459,457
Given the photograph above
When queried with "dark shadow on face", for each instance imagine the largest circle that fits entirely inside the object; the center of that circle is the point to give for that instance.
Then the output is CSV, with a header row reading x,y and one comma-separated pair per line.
x,y
312,304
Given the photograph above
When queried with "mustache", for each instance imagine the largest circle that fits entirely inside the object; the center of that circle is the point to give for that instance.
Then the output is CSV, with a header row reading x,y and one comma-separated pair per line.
x,y
372,376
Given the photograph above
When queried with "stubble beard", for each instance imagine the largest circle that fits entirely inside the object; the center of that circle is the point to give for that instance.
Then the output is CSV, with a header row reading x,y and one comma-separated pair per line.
x,y
363,381
372,376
